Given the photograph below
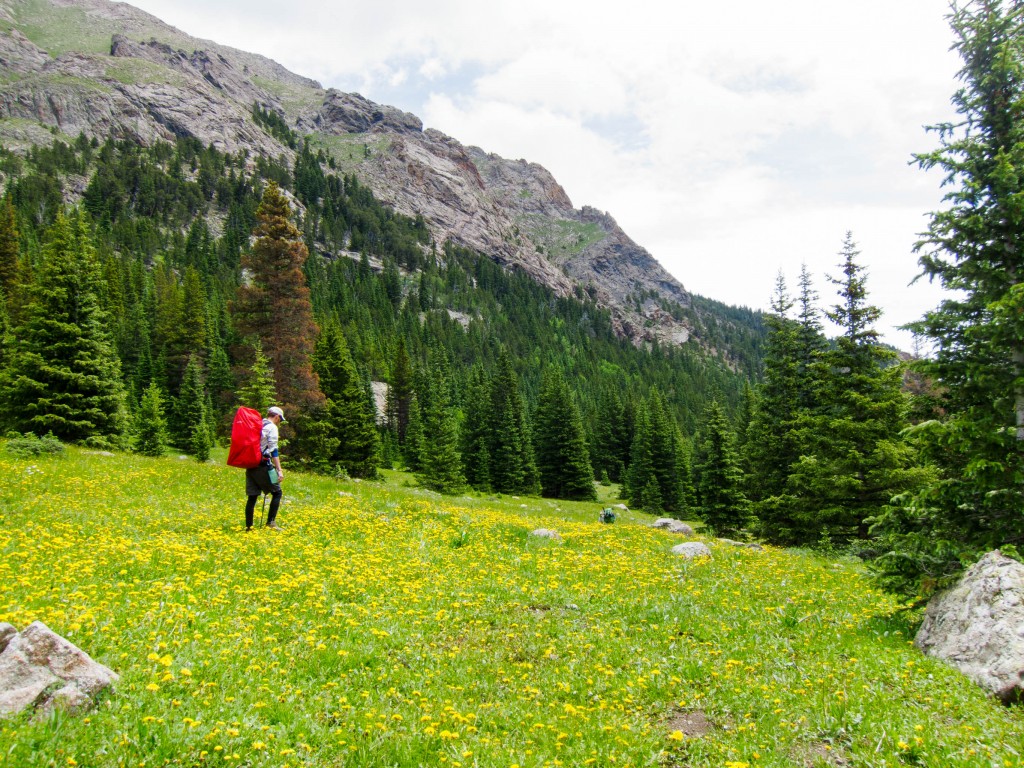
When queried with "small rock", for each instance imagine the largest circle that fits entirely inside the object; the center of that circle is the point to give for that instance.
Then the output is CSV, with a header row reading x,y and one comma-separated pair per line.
x,y
691,550
673,526
744,544
546,533
623,507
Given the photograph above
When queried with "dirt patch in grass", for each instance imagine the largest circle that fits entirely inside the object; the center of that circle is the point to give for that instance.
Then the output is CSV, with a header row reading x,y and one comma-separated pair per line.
x,y
818,754
692,724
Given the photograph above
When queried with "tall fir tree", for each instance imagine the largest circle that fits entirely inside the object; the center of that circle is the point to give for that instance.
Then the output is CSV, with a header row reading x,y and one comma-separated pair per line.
x,y
721,501
351,417
563,462
150,433
260,390
400,391
273,304
9,247
476,431
853,459
62,374
974,247
440,460
513,468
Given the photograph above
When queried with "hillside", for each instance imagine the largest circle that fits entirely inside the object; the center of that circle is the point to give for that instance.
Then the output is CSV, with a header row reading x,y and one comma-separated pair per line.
x,y
386,626
109,70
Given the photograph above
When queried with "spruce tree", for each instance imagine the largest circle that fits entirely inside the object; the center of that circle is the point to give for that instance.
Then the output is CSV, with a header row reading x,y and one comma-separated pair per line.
x,y
974,247
400,390
721,501
351,416
440,461
610,451
150,426
62,373
9,247
273,303
853,458
259,392
563,462
513,469
476,431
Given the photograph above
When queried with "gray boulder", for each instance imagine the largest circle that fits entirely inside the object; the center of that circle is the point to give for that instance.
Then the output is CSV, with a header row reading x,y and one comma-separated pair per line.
x,y
34,662
744,544
978,626
672,526
691,550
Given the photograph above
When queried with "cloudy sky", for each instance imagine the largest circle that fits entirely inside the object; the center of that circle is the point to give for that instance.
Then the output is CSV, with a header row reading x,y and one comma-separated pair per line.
x,y
732,140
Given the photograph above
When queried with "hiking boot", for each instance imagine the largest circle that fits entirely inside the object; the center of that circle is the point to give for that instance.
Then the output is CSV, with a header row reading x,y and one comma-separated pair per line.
x,y
248,529
274,526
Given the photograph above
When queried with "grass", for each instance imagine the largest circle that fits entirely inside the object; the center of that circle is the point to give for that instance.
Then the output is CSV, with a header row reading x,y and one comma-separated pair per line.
x,y
388,626
561,238
349,150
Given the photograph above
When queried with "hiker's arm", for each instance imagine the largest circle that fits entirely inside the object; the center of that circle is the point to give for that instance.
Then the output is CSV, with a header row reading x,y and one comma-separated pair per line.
x,y
277,466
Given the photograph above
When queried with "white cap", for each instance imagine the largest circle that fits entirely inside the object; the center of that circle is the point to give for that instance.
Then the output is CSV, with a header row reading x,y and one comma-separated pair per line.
x,y
275,411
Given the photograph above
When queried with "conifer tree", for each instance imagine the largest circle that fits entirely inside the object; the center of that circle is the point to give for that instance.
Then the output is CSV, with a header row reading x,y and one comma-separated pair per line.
x,y
640,475
513,469
259,392
563,462
853,459
476,431
400,389
722,503
413,447
610,451
9,247
190,410
62,374
440,461
974,246
274,304
771,446
150,426
351,416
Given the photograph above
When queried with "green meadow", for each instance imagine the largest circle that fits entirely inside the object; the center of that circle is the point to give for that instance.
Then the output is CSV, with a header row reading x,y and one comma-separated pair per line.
x,y
389,626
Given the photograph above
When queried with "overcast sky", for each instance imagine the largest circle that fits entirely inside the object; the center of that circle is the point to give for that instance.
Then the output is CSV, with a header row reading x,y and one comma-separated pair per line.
x,y
732,140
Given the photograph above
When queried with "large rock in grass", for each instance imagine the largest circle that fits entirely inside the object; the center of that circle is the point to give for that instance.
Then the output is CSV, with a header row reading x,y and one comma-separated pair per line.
x,y
978,626
673,526
39,668
692,550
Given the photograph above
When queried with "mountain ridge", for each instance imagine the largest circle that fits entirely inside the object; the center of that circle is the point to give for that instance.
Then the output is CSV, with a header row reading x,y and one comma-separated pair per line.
x,y
153,82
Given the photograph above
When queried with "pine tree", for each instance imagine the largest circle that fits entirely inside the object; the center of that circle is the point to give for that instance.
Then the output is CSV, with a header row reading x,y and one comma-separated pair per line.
x,y
9,247
413,447
476,431
351,416
563,462
63,374
150,427
771,446
974,246
259,393
722,503
610,451
513,469
440,461
190,411
400,390
853,459
274,305
640,475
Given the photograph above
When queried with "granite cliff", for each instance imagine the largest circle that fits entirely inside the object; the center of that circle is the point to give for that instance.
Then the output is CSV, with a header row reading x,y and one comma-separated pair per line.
x,y
110,70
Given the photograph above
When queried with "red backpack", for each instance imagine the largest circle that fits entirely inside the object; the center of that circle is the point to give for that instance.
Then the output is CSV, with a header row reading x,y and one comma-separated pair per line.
x,y
245,439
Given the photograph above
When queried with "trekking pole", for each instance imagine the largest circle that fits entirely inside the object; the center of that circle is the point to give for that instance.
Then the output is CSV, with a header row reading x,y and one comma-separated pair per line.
x,y
263,512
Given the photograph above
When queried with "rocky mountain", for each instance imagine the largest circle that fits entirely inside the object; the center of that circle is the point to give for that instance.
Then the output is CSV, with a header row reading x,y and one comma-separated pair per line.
x,y
108,69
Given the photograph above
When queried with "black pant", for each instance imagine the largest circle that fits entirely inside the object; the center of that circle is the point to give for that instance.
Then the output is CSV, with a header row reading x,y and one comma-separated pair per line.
x,y
250,508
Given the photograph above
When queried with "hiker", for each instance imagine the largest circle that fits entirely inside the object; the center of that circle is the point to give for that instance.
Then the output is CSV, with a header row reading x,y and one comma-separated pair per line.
x,y
266,478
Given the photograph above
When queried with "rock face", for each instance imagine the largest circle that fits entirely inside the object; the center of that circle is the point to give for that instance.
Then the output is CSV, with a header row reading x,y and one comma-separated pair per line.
x,y
35,663
978,626
137,78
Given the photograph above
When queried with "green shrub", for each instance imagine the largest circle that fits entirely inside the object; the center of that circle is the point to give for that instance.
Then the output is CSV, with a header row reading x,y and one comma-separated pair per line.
x,y
28,445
